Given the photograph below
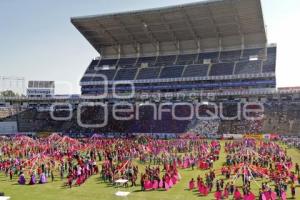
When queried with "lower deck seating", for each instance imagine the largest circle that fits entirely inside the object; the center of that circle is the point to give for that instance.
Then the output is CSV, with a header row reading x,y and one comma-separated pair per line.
x,y
8,113
283,117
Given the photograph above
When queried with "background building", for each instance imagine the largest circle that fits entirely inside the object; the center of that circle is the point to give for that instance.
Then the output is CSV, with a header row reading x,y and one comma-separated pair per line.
x,y
40,89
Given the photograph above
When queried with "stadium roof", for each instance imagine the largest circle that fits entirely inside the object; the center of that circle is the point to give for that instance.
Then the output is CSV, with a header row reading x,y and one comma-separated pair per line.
x,y
198,26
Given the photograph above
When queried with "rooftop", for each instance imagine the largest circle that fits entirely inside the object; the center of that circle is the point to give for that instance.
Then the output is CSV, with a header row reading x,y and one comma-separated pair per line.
x,y
199,26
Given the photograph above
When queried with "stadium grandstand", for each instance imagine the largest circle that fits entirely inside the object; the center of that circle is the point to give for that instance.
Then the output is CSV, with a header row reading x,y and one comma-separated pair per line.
x,y
213,51
199,46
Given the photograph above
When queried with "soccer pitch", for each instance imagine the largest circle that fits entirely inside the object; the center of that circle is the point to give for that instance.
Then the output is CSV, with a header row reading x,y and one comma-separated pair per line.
x,y
94,188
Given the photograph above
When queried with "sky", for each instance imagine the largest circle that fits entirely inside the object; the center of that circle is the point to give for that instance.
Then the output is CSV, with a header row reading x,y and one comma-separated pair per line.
x,y
38,41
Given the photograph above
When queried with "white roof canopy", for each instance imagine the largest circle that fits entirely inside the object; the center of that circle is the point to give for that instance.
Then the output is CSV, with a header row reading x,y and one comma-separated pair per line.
x,y
200,26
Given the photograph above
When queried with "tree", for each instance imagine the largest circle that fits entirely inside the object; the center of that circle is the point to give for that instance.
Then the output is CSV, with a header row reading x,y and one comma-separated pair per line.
x,y
8,93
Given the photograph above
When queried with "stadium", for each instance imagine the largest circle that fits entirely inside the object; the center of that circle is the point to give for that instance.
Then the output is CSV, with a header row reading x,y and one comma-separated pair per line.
x,y
182,102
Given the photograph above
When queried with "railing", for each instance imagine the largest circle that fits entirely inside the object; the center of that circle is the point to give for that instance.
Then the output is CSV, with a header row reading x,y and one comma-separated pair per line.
x,y
188,86
189,94
181,79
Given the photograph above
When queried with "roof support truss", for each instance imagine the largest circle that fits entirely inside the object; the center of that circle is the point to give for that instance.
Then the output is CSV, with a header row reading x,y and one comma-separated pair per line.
x,y
238,22
130,34
190,27
212,18
148,31
110,35
169,29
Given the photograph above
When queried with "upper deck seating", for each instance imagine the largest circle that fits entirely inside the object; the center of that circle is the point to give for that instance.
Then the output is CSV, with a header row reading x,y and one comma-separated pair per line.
x,y
221,69
230,56
127,62
269,65
149,60
91,67
213,56
148,73
109,62
126,74
248,67
165,60
195,71
259,52
186,59
109,74
86,79
172,71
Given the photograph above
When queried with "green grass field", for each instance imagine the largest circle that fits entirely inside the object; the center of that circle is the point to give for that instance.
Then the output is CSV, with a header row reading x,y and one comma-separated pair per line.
x,y
95,189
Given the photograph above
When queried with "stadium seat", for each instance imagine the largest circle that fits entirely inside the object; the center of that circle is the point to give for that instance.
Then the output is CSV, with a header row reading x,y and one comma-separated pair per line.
x,y
260,52
127,62
94,62
269,65
126,74
108,73
186,59
90,70
213,56
248,67
195,70
165,60
148,73
91,67
221,69
172,72
229,56
86,79
148,60
109,62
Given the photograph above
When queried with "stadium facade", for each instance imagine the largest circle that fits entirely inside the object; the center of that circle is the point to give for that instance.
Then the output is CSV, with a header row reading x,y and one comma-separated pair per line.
x,y
213,51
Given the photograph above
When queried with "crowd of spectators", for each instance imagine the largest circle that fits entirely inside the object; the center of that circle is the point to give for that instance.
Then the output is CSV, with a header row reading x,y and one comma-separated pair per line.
x,y
279,117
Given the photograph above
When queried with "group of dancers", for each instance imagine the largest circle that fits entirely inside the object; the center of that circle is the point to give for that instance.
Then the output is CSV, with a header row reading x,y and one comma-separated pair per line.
x,y
252,160
32,181
41,160
151,179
